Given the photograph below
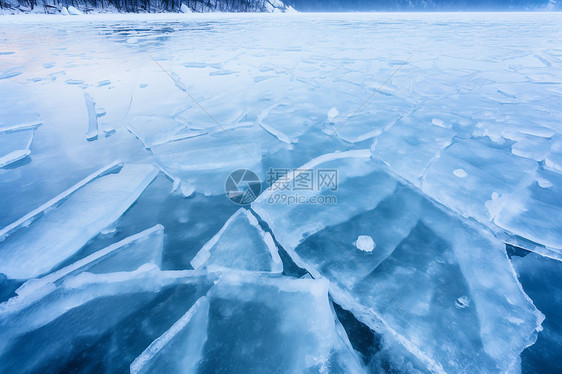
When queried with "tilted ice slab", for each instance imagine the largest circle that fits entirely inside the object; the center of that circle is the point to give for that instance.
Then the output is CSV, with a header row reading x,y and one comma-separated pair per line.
x,y
427,267
532,212
126,255
84,305
39,241
255,324
20,122
14,147
15,141
240,244
541,278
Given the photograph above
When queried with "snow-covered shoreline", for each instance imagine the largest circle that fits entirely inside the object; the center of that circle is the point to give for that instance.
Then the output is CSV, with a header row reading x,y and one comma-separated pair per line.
x,y
15,7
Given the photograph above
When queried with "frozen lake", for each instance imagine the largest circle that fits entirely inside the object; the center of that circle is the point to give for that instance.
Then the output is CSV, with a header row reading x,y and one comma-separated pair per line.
x,y
444,132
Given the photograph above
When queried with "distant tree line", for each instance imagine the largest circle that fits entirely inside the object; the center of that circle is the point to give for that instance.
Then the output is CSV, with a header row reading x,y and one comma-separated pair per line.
x,y
149,6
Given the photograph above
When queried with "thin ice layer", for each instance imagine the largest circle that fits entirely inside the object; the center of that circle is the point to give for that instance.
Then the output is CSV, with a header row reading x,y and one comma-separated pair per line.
x,y
83,306
427,267
64,225
240,244
255,324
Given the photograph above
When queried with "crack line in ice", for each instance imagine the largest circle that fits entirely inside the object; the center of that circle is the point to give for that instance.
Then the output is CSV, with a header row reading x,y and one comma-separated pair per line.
x,y
181,86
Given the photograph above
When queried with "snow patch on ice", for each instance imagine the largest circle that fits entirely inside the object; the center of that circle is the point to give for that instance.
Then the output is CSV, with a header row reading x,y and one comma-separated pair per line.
x,y
364,243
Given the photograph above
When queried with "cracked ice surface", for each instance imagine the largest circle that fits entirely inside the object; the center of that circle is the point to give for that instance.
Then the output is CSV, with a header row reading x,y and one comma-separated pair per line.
x,y
445,130
84,305
274,90
424,261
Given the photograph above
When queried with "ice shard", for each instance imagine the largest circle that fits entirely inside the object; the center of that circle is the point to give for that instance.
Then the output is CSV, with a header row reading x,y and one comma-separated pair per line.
x,y
92,133
240,245
39,241
424,261
253,323
15,140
